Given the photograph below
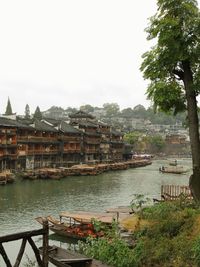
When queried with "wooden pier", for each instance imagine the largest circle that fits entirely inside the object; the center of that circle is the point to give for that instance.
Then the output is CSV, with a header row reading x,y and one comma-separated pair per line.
x,y
82,170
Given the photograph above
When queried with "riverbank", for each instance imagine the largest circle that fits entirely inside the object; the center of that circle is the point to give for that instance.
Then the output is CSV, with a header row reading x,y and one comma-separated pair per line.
x,y
82,170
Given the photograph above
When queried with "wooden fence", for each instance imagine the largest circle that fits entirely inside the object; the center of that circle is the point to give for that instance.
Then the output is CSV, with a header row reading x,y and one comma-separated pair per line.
x,y
27,237
173,192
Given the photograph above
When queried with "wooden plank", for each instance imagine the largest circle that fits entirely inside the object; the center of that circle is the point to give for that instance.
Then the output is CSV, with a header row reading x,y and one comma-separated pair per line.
x,y
21,252
45,252
36,251
4,256
172,192
17,236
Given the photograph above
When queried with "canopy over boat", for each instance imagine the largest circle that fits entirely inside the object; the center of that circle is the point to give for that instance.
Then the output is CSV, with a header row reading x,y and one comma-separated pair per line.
x,y
87,217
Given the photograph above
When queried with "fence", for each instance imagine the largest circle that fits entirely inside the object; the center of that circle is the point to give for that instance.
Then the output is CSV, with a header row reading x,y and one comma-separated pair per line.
x,y
172,192
27,237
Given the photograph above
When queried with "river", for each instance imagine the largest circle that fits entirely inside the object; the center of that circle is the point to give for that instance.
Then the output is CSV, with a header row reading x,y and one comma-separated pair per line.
x,y
23,201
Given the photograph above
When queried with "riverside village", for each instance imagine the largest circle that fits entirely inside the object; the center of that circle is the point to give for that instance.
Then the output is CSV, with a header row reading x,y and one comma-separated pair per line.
x,y
79,147
100,133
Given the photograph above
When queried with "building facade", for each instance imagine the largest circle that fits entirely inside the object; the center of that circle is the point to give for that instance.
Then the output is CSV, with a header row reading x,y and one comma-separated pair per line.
x,y
32,143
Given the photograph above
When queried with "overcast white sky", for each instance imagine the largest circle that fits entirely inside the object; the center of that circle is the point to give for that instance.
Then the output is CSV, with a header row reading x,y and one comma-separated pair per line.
x,y
72,52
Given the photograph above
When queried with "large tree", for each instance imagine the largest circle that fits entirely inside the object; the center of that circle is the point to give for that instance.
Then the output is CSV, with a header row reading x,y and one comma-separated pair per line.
x,y
173,67
37,114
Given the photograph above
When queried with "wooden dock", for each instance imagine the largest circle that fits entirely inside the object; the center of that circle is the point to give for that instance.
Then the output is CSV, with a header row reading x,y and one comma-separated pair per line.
x,y
82,170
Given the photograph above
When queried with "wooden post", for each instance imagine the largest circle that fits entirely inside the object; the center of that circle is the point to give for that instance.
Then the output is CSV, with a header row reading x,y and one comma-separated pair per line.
x,y
45,243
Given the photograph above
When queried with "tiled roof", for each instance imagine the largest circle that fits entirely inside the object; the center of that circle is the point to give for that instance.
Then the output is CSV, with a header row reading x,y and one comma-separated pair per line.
x,y
42,126
12,123
81,114
85,124
67,128
116,133
53,122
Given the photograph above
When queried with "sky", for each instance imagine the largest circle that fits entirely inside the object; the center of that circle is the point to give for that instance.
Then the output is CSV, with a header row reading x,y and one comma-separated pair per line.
x,y
69,53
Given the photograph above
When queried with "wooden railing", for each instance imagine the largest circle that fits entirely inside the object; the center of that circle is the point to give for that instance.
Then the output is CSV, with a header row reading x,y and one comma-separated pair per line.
x,y
173,192
27,237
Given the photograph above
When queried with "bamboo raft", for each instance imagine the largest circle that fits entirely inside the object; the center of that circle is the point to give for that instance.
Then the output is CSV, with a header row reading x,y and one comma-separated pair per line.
x,y
82,170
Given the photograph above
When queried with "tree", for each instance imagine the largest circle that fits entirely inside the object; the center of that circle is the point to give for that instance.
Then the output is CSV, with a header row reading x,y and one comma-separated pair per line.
x,y
37,114
87,108
157,143
173,67
8,108
132,137
112,109
27,111
127,113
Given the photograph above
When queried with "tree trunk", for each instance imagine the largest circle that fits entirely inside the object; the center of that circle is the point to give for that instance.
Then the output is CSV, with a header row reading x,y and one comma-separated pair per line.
x,y
193,129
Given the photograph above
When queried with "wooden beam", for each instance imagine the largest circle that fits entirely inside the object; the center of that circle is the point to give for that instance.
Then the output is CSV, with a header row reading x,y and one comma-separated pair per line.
x,y
4,256
17,236
45,252
21,252
36,251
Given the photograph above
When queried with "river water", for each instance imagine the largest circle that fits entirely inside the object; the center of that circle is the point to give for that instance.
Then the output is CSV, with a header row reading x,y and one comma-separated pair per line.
x,y
23,201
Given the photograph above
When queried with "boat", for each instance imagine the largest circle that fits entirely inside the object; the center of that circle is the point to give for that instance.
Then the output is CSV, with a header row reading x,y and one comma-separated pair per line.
x,y
173,169
6,177
173,163
61,257
79,225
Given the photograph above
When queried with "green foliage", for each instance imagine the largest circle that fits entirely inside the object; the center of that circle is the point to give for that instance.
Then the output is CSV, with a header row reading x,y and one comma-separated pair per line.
x,y
157,142
154,143
37,114
196,250
176,26
87,108
112,109
132,137
138,201
114,252
27,111
167,240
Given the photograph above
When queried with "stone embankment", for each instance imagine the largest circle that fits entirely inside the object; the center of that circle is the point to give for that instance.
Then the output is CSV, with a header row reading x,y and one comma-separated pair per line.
x,y
82,169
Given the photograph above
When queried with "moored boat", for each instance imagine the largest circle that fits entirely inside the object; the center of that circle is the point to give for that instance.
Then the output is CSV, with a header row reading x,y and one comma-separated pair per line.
x,y
173,169
81,224
6,177
67,258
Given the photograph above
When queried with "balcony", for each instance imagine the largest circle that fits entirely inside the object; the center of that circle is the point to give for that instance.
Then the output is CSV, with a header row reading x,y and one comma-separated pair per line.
x,y
92,141
8,142
41,152
91,151
73,139
36,139
71,150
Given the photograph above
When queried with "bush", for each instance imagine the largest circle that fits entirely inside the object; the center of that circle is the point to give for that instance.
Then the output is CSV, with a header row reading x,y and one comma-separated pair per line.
x,y
170,239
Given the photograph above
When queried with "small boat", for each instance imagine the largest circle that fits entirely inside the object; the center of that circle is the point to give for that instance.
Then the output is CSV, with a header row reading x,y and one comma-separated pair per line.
x,y
173,163
6,177
67,258
78,225
173,169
